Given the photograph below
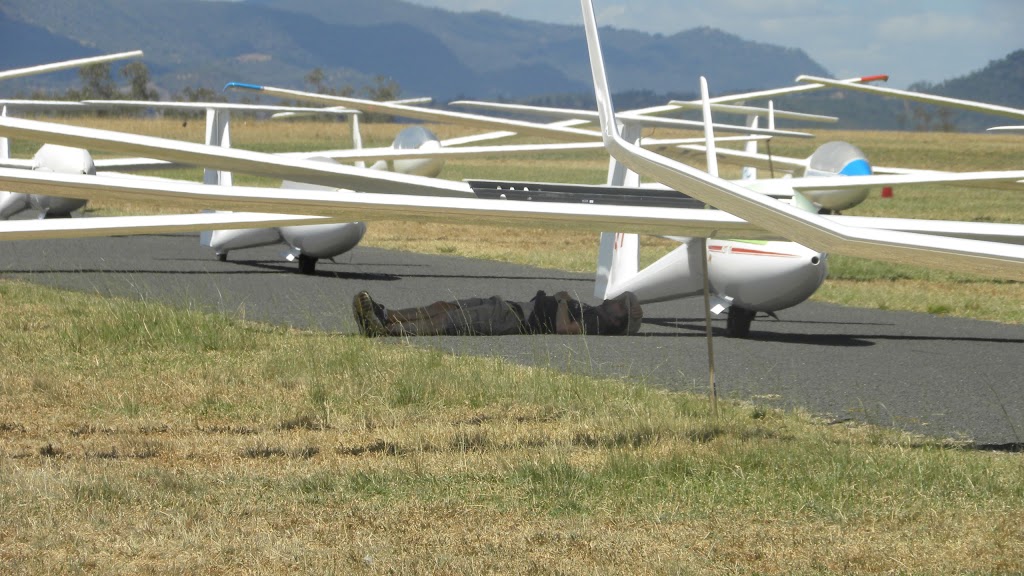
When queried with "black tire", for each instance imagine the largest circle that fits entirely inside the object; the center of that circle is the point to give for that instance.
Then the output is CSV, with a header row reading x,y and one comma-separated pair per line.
x,y
738,323
222,257
307,265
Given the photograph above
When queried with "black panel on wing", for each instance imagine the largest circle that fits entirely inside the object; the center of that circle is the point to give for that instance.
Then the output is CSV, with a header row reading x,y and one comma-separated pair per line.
x,y
582,194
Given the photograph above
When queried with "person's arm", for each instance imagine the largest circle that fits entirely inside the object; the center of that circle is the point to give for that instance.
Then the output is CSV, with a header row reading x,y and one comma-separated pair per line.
x,y
564,323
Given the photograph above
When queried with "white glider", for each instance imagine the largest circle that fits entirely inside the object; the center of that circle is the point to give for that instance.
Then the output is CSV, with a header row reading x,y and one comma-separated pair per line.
x,y
384,195
968,256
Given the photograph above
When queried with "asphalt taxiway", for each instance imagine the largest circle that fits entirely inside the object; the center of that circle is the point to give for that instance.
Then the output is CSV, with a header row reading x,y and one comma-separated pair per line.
x,y
945,377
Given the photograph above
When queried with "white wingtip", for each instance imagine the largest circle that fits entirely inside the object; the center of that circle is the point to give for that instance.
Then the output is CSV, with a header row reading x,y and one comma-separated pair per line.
x,y
605,110
709,132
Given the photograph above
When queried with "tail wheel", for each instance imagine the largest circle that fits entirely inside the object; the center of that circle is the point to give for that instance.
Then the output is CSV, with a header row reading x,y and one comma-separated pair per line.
x,y
307,265
738,324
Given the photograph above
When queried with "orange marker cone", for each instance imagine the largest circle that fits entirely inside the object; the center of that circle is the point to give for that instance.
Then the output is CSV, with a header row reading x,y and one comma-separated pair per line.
x,y
887,192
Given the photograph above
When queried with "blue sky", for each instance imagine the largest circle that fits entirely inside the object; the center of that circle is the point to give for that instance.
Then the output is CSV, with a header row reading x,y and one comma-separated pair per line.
x,y
911,40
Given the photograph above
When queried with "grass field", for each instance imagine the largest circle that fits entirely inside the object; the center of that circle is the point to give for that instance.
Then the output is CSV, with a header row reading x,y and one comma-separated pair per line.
x,y
137,438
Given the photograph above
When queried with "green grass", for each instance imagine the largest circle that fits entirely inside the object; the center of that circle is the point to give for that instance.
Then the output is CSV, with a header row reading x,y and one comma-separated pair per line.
x,y
155,439
136,437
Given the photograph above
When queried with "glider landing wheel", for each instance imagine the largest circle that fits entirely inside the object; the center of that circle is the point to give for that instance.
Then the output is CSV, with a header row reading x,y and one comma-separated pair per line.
x,y
738,323
307,265
223,257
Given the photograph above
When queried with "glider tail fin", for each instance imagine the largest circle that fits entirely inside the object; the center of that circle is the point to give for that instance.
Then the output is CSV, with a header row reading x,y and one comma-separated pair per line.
x,y
750,172
218,133
618,261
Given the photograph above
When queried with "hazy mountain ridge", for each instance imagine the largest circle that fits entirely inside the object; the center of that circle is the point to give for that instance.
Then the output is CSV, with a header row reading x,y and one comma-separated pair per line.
x,y
443,54
427,51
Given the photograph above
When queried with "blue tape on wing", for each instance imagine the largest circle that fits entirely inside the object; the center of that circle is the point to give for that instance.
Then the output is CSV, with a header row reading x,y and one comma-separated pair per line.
x,y
243,85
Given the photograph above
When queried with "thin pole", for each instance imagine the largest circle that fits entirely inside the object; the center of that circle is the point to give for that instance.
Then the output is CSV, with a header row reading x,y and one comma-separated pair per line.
x,y
707,325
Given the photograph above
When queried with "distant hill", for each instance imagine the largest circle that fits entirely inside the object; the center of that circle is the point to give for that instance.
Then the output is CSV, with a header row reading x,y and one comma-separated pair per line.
x,y
432,52
427,51
999,82
41,46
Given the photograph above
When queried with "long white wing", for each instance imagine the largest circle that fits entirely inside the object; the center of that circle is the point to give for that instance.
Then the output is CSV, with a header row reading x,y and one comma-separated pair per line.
x,y
744,158
883,176
351,206
17,104
756,111
683,105
291,166
420,100
162,224
719,103
325,207
987,231
809,183
371,154
479,121
418,113
102,164
757,95
462,141
233,159
919,97
956,254
44,68
231,106
25,164
485,137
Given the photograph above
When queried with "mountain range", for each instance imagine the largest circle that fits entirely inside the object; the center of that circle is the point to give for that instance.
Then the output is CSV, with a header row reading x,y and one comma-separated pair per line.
x,y
426,51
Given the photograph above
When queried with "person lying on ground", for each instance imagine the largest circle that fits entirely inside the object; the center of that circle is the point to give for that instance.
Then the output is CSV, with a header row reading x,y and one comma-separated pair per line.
x,y
493,316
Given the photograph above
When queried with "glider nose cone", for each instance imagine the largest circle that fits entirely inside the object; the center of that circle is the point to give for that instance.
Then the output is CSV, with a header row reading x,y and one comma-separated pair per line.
x,y
838,159
324,240
11,203
770,276
798,279
418,138
56,206
63,159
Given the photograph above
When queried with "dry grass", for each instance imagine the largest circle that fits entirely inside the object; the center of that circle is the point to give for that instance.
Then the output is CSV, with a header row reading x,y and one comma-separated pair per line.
x,y
137,439
160,440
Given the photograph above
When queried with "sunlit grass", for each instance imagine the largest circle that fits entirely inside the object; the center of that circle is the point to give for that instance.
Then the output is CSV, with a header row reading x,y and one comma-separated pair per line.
x,y
135,437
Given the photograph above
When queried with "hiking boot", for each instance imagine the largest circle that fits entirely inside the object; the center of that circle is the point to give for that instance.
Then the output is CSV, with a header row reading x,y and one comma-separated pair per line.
x,y
370,316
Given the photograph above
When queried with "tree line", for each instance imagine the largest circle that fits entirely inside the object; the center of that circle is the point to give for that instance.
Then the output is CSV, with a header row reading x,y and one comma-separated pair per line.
x,y
98,83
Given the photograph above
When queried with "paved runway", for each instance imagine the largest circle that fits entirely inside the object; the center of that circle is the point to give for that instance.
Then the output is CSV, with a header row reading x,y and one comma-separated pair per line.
x,y
940,376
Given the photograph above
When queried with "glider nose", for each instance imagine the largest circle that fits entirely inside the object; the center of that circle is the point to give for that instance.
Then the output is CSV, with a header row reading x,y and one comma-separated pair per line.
x,y
55,206
803,275
838,159
770,276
